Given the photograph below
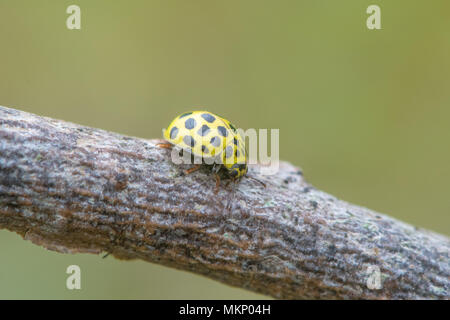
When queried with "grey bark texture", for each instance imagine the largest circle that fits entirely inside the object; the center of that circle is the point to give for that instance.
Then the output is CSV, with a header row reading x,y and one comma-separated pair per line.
x,y
75,189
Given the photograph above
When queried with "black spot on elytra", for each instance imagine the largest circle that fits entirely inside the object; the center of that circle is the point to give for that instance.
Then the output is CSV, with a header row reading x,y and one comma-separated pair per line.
x,y
185,114
204,130
234,173
237,153
235,141
205,149
223,131
208,117
189,141
232,127
215,141
190,123
173,132
229,151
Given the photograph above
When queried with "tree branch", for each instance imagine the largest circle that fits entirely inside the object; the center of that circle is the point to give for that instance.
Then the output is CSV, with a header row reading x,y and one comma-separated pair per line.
x,y
74,189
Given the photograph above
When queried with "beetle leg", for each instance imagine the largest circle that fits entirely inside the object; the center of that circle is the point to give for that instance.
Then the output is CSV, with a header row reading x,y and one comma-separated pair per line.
x,y
216,190
193,169
165,145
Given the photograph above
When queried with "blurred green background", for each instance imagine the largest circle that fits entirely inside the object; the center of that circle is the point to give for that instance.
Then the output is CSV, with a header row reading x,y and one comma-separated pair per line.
x,y
365,113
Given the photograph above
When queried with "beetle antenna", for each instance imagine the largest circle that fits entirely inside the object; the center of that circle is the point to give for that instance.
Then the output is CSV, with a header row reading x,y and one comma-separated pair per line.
x,y
263,184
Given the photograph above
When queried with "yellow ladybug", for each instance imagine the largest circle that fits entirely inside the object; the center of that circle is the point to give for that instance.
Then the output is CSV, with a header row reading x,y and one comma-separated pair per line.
x,y
209,136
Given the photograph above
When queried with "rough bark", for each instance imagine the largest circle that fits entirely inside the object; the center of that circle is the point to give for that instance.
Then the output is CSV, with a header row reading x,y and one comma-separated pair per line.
x,y
74,189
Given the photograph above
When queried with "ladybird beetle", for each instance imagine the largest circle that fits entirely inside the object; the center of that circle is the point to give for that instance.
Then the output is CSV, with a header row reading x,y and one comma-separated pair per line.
x,y
209,136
